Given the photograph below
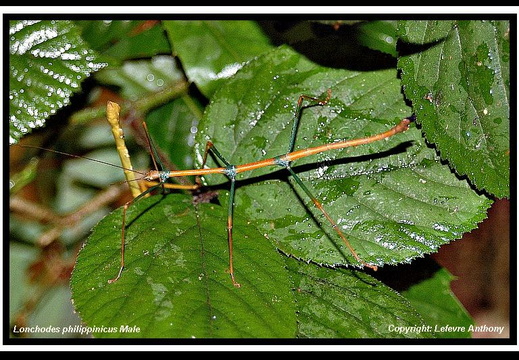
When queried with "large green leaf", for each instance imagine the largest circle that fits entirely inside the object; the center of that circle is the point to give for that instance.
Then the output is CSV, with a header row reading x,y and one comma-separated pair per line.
x,y
212,51
48,60
457,75
337,303
175,283
393,199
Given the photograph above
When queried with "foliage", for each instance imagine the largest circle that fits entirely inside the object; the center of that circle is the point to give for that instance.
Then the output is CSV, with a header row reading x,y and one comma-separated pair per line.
x,y
459,86
396,200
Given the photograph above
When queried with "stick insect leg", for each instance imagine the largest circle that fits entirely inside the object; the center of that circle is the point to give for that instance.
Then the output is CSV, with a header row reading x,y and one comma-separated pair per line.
x,y
157,163
297,114
231,174
209,147
319,206
229,230
317,203
123,229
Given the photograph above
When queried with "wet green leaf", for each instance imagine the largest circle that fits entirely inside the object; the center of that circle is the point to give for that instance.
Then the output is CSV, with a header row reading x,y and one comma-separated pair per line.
x,y
48,60
379,35
393,199
212,51
340,303
457,75
176,281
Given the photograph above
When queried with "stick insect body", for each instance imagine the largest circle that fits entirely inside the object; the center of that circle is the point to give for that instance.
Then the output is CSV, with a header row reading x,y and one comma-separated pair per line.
x,y
157,178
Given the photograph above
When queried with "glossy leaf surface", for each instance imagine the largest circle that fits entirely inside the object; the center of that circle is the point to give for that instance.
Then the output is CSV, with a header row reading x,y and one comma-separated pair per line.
x,y
393,199
459,86
176,281
47,63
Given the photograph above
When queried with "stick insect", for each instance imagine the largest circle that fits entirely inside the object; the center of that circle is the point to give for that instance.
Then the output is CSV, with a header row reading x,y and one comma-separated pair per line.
x,y
158,177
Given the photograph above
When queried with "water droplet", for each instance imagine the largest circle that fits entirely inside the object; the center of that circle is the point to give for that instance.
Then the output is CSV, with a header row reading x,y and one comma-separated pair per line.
x,y
441,227
321,171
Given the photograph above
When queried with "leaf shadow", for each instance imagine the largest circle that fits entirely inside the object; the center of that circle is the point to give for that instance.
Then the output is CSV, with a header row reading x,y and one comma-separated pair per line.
x,y
327,45
401,277
160,198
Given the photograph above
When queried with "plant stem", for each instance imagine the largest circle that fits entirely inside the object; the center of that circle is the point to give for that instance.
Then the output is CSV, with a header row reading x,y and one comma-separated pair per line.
x,y
147,103
141,106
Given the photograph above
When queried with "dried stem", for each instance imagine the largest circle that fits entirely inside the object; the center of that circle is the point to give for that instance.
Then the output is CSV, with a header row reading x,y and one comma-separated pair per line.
x,y
60,222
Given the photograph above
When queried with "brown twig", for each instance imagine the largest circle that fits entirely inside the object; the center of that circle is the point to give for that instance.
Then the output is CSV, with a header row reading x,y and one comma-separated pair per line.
x,y
45,215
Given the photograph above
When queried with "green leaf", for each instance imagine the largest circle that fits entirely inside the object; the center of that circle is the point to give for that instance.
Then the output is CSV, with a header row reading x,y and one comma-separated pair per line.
x,y
120,40
147,43
379,35
393,199
101,35
340,303
172,127
441,310
457,77
212,51
48,60
141,77
175,282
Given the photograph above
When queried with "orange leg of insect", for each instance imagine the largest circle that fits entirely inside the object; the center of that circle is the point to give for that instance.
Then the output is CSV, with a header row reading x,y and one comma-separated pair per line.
x,y
230,172
125,207
229,233
150,186
319,206
341,235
